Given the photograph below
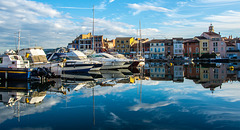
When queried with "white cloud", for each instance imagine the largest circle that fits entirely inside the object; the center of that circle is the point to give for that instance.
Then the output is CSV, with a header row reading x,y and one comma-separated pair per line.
x,y
147,106
8,113
147,7
229,16
110,1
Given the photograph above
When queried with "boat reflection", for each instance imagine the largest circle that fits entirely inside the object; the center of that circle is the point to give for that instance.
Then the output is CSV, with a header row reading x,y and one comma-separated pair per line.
x,y
24,95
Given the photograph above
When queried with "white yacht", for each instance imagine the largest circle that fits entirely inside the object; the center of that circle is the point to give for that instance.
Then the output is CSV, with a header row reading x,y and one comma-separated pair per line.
x,y
75,61
13,67
37,58
109,61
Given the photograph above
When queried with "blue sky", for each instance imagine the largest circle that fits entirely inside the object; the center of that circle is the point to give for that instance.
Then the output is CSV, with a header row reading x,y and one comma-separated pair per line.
x,y
54,23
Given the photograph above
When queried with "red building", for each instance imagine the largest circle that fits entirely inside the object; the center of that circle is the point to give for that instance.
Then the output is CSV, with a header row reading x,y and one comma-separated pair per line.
x,y
191,48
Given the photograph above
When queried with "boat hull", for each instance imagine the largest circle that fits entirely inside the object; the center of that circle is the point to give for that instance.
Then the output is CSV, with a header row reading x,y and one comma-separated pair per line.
x,y
76,68
15,74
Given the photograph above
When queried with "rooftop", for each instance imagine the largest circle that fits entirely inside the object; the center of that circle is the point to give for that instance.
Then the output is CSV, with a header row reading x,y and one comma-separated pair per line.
x,y
212,34
200,37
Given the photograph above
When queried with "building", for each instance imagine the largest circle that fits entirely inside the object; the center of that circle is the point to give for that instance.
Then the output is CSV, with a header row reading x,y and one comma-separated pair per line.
x,y
169,48
109,45
123,44
178,73
191,48
232,48
157,49
178,47
203,45
136,48
192,72
157,72
85,41
216,44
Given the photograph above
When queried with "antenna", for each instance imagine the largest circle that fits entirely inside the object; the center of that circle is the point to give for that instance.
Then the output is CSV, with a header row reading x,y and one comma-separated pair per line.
x,y
18,40
93,29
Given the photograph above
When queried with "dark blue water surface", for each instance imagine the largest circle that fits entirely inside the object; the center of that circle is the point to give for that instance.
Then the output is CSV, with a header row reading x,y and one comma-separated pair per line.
x,y
172,97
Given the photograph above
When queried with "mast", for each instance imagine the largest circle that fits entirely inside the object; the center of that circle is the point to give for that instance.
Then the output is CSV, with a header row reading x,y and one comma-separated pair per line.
x,y
140,38
93,29
93,107
18,40
137,45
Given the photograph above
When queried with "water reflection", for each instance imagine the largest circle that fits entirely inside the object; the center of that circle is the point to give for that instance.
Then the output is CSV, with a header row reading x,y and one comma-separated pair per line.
x,y
155,96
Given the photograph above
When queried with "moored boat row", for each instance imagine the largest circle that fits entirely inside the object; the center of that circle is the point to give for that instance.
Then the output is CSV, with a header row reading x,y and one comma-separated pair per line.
x,y
20,66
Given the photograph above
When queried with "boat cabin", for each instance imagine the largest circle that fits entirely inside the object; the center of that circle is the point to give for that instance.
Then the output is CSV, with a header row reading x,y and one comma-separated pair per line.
x,y
13,61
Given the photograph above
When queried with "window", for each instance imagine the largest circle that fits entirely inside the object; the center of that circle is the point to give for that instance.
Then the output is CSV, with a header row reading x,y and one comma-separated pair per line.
x,y
159,50
222,48
197,70
205,76
157,44
180,46
162,44
204,49
117,41
190,50
162,49
197,49
155,49
151,44
175,46
151,49
205,44
127,41
122,41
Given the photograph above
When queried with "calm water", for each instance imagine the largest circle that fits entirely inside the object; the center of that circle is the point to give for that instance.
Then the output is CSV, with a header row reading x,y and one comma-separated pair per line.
x,y
163,96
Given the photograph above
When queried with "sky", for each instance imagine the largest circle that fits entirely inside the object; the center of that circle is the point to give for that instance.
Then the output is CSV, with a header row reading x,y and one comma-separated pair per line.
x,y
55,23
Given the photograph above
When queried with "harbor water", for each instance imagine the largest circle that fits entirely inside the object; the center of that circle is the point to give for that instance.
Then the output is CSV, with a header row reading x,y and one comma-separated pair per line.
x,y
157,96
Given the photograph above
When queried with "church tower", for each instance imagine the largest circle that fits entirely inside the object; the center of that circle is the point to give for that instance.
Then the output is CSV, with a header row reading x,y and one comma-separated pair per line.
x,y
211,28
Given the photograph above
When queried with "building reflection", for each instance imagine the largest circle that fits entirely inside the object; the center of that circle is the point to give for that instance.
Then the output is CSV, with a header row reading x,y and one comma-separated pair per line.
x,y
210,76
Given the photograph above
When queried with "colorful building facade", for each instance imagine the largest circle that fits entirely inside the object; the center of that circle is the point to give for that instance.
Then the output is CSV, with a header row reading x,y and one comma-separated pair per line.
x,y
123,45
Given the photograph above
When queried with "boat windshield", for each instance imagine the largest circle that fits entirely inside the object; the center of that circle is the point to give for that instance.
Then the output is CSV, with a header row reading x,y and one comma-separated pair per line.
x,y
15,57
107,55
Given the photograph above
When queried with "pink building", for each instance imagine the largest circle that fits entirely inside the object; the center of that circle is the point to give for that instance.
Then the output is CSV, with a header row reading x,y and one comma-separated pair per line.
x,y
216,44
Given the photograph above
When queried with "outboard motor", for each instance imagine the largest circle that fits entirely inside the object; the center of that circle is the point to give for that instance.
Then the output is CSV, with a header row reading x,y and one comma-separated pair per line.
x,y
43,73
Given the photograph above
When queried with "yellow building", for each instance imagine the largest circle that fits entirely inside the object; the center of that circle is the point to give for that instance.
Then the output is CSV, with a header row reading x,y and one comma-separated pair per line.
x,y
123,44
203,45
85,36
204,74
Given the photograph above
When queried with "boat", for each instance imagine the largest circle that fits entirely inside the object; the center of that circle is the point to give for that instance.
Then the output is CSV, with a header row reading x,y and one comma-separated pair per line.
x,y
37,58
109,61
131,62
13,67
75,61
